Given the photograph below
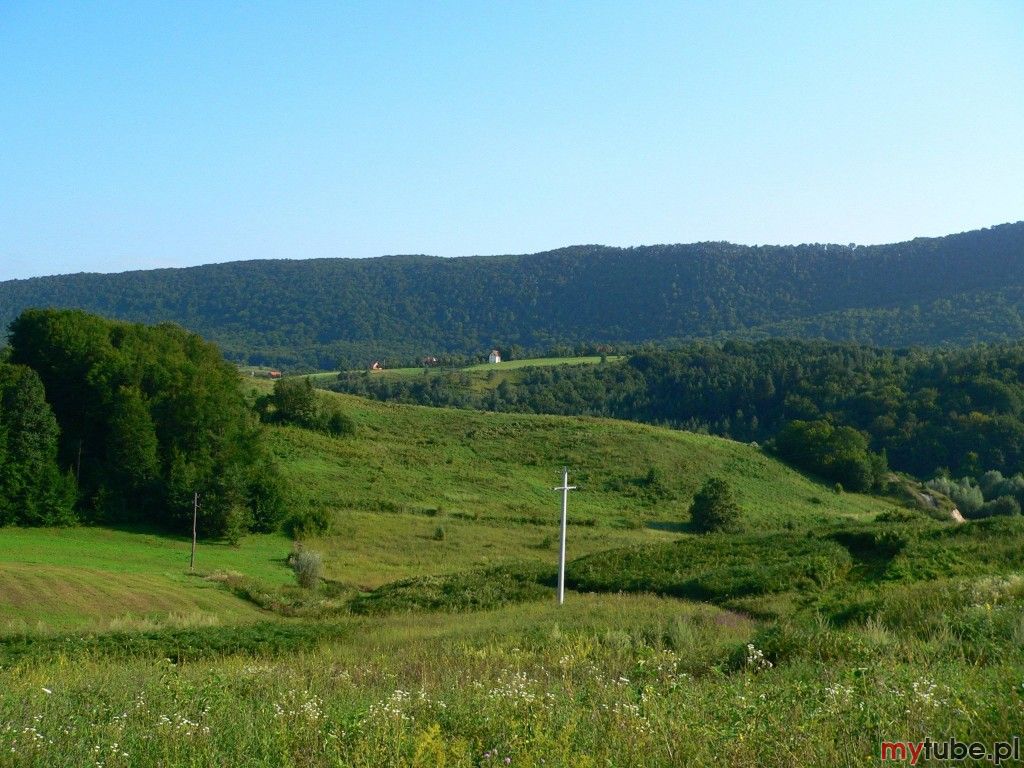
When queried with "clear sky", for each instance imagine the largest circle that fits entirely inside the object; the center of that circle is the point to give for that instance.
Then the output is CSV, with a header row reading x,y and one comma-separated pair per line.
x,y
140,134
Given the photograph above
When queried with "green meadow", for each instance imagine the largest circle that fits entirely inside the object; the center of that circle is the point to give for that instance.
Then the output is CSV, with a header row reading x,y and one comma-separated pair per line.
x,y
828,623
479,371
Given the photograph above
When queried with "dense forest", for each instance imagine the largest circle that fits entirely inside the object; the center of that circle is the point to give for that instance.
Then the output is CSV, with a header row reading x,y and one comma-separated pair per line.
x,y
106,421
342,313
955,410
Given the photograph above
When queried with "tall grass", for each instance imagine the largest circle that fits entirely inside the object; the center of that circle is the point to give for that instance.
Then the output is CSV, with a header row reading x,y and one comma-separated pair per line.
x,y
529,686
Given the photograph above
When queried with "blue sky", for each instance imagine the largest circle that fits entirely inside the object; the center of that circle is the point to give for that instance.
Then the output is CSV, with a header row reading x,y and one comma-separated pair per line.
x,y
139,135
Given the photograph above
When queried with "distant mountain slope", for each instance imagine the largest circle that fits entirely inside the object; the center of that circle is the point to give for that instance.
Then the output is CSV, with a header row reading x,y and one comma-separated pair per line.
x,y
955,289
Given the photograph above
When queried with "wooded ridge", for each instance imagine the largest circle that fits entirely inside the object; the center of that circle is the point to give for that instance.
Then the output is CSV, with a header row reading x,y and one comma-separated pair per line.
x,y
330,313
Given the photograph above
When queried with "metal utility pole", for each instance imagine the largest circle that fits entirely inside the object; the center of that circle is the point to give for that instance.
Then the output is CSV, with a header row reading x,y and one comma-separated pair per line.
x,y
564,488
195,517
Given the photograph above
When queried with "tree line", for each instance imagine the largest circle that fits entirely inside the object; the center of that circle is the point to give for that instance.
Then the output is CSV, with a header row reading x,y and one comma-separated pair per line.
x,y
112,422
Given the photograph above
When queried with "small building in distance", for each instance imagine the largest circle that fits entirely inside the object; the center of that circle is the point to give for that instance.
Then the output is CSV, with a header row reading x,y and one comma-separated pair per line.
x,y
376,365
494,357
274,374
430,361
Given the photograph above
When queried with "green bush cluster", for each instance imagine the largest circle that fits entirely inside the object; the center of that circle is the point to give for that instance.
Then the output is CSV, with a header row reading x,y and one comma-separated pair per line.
x,y
836,453
994,495
294,401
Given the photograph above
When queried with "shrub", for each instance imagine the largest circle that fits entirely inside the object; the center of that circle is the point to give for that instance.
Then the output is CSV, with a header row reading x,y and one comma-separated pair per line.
x,y
897,515
714,568
267,498
965,493
837,453
312,522
885,544
1005,506
439,533
714,508
340,424
308,567
296,402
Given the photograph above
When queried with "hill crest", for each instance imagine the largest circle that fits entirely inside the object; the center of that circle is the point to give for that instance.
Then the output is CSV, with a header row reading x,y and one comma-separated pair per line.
x,y
318,313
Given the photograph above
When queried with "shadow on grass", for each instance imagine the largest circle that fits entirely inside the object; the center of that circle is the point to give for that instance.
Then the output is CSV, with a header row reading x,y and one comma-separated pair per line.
x,y
660,525
147,529
264,638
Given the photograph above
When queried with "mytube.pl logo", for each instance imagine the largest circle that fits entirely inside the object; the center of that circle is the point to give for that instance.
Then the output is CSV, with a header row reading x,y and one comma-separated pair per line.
x,y
951,749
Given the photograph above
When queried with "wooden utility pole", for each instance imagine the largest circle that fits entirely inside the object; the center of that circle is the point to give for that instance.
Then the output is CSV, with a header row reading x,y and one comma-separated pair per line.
x,y
195,518
564,488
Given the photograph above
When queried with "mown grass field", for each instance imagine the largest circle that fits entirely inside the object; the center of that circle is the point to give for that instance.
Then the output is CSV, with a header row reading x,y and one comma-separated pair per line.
x,y
98,578
829,624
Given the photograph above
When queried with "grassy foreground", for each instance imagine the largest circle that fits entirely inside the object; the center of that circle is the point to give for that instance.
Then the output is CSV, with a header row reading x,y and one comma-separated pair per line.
x,y
830,624
604,681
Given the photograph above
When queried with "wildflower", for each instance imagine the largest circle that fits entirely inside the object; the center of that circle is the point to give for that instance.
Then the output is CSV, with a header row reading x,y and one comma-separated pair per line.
x,y
756,660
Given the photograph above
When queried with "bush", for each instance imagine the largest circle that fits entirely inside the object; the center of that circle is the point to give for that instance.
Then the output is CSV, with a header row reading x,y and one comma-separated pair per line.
x,y
714,568
295,402
884,545
340,424
439,533
267,498
994,485
965,493
313,522
896,515
837,453
714,508
308,567
1005,506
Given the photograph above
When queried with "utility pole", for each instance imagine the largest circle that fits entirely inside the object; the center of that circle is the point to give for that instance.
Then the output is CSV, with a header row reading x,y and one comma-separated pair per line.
x,y
564,488
195,517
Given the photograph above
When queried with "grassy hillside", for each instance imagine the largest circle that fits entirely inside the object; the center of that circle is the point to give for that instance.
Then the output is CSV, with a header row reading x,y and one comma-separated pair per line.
x,y
501,468
485,480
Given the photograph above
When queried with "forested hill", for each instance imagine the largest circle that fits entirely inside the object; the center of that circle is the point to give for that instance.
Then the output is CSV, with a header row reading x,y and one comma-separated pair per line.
x,y
955,289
